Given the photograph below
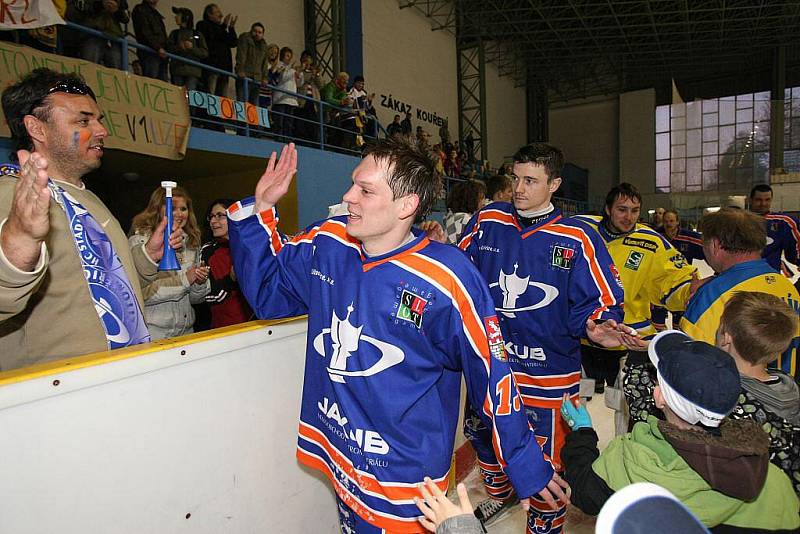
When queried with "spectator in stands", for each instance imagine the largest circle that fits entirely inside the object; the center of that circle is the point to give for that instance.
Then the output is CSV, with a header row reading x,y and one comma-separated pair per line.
x,y
444,134
360,98
168,297
718,467
251,62
362,103
309,82
284,104
469,148
187,43
220,35
77,11
755,329
438,158
405,126
423,139
499,188
783,230
452,166
395,128
465,199
228,305
48,310
149,29
265,91
334,93
108,17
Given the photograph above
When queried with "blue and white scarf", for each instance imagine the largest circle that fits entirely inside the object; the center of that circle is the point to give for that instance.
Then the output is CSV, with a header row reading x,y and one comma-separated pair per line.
x,y
111,291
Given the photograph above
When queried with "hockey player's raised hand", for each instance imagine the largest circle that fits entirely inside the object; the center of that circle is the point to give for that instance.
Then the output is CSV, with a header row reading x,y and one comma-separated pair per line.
x,y
274,183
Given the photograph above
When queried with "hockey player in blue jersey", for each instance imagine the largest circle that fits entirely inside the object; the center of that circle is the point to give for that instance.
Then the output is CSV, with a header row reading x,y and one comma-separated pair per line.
x,y
394,320
783,231
553,282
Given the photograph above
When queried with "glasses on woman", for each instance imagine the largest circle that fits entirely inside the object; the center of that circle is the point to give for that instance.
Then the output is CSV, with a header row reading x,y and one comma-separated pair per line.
x,y
219,215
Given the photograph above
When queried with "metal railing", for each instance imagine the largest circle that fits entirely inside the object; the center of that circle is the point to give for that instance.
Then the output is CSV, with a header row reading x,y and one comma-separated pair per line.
x,y
335,127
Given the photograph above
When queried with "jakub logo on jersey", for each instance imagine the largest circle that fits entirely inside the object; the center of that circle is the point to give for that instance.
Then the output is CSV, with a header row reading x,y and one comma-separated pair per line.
x,y
516,294
496,347
371,356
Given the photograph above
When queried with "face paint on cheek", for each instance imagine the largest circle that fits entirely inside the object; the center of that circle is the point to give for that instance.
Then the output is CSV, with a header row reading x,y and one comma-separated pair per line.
x,y
85,135
75,139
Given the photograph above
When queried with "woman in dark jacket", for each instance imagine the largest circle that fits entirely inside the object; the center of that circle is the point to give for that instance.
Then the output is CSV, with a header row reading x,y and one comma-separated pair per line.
x,y
220,35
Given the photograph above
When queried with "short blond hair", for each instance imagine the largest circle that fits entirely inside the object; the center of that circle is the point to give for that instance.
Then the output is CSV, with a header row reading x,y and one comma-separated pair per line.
x,y
761,326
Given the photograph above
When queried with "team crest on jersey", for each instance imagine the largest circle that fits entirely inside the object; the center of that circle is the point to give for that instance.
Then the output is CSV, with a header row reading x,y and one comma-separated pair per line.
x,y
411,308
634,260
678,261
562,257
411,304
770,279
496,347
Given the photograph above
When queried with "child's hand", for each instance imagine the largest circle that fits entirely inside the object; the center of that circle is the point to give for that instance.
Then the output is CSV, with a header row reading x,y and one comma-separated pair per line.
x,y
436,507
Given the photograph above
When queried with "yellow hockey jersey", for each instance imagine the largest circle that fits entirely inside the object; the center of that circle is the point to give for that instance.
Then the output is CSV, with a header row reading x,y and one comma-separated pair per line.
x,y
702,316
653,272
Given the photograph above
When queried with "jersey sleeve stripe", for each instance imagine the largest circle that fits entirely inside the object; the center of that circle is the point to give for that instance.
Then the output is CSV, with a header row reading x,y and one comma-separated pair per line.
x,y
447,282
268,219
554,381
795,231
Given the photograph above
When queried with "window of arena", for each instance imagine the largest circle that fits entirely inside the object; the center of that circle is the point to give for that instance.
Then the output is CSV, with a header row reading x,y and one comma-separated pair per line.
x,y
723,143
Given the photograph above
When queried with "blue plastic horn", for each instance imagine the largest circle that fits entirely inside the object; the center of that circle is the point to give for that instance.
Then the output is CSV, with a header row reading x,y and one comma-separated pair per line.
x,y
169,261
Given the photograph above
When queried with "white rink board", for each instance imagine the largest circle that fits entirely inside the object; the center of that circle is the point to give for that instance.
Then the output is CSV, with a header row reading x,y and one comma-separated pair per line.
x,y
133,446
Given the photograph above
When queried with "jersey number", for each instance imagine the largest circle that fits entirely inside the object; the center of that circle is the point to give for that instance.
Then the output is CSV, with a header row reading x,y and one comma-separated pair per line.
x,y
507,391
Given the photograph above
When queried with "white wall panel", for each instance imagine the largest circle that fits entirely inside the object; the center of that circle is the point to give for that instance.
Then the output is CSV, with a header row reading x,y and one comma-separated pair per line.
x,y
404,59
197,436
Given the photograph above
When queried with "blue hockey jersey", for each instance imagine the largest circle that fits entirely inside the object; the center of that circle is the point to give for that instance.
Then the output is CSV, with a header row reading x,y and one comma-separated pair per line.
x,y
388,339
688,243
783,237
546,280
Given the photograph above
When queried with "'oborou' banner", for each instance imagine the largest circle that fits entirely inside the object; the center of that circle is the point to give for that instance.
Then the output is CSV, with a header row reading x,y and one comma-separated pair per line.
x,y
142,115
226,108
387,101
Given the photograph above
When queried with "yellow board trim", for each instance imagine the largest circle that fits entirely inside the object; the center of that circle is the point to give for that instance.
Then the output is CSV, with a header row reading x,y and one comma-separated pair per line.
x,y
100,358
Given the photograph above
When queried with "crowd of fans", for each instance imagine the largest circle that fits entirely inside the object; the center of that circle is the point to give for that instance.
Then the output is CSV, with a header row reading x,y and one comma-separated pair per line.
x,y
265,74
710,412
